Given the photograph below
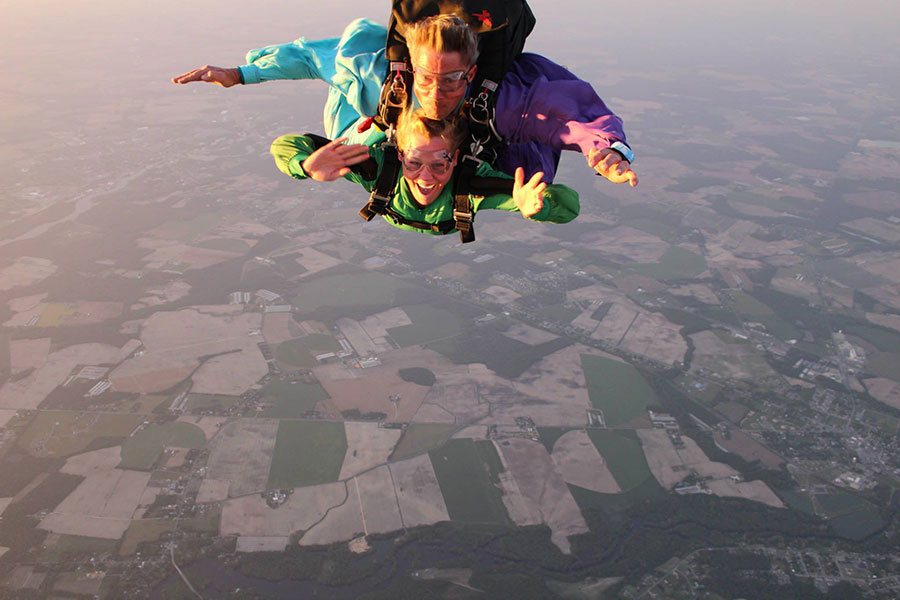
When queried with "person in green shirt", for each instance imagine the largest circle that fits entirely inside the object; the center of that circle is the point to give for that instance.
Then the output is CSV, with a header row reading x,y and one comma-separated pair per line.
x,y
422,199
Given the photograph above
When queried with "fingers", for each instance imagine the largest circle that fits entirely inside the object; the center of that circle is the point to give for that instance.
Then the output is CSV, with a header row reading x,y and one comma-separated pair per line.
x,y
519,177
597,156
535,179
632,178
188,77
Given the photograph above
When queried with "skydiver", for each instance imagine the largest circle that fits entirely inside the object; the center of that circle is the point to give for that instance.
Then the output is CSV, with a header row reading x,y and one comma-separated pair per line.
x,y
423,200
541,107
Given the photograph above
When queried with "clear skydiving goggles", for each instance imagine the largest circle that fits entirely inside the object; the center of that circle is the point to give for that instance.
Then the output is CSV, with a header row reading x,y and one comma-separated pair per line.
x,y
452,80
439,163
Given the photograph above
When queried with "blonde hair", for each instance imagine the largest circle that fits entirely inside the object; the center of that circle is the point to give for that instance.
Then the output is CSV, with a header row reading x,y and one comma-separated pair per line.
x,y
453,129
443,33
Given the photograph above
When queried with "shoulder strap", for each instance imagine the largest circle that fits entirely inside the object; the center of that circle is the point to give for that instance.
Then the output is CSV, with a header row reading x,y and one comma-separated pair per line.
x,y
386,182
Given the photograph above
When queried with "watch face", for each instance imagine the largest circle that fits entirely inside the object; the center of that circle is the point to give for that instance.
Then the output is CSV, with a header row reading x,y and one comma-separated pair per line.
x,y
624,150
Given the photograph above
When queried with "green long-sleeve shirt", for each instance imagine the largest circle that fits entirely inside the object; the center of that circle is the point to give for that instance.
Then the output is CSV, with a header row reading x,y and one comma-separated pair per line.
x,y
560,202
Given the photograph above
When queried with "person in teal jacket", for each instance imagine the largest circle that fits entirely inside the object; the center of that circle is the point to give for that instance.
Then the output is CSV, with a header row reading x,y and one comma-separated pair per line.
x,y
422,200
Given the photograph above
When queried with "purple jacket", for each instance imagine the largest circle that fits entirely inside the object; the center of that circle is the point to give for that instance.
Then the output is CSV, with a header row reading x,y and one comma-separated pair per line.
x,y
543,108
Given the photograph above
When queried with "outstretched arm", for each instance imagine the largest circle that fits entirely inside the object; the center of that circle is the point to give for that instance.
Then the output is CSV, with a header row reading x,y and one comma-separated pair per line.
x,y
544,103
210,74
535,199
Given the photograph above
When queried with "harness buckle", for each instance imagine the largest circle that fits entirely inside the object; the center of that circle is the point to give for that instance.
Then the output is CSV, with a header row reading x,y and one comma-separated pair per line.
x,y
377,205
463,220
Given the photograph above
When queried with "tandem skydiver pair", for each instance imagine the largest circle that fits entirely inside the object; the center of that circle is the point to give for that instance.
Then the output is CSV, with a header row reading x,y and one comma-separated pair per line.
x,y
538,109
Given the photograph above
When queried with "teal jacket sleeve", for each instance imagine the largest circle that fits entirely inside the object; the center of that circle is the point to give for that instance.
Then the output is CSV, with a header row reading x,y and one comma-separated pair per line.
x,y
352,65
290,151
560,202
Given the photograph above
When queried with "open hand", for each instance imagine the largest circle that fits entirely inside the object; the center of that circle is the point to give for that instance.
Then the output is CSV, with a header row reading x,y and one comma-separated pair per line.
x,y
218,75
611,165
529,197
334,159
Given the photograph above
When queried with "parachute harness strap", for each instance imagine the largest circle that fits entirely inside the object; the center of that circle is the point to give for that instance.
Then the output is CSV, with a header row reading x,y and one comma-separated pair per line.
x,y
395,95
387,179
463,211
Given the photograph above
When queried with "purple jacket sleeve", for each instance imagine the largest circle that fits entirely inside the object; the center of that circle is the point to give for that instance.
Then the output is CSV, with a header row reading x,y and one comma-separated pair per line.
x,y
542,102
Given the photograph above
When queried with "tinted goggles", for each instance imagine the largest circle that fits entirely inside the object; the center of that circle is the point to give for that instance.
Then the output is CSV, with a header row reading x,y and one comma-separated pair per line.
x,y
439,163
447,81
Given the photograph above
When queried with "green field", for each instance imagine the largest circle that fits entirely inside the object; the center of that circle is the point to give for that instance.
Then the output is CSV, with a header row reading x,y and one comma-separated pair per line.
x,y
185,230
887,423
307,453
63,433
617,389
781,328
857,525
549,435
464,473
880,337
357,289
291,399
505,356
749,306
145,530
301,352
142,450
70,547
624,455
676,263
206,521
422,437
558,313
884,364
837,504
202,402
144,404
798,501
428,323
591,500
225,244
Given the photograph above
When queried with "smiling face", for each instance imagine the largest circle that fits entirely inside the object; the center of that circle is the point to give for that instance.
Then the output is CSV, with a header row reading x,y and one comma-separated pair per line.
x,y
428,164
440,80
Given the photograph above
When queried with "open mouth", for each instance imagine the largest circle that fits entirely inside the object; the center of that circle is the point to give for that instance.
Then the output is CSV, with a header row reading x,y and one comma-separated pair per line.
x,y
425,188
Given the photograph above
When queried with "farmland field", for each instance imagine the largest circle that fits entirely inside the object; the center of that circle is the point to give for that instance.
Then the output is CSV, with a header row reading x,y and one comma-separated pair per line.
x,y
146,530
676,263
357,289
624,456
141,450
197,403
857,525
749,306
291,399
302,352
836,504
465,480
428,323
422,437
617,389
63,433
307,453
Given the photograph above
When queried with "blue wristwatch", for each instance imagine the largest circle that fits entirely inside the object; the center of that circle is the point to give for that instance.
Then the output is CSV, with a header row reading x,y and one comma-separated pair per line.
x,y
624,150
